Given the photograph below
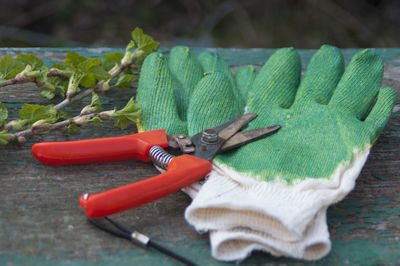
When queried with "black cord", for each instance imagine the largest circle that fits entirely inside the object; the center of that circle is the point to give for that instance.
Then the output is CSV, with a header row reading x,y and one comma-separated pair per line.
x,y
109,230
127,234
119,226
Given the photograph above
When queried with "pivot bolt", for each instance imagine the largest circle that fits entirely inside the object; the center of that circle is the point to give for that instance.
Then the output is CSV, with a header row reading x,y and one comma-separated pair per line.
x,y
209,136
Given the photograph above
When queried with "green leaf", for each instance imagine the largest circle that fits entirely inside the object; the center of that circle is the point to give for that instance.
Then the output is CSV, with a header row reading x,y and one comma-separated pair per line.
x,y
95,102
48,90
4,137
130,113
144,42
86,65
9,67
114,58
60,84
111,60
3,114
42,77
83,71
125,81
61,115
72,128
99,72
58,66
88,81
33,113
46,93
73,59
52,85
122,123
96,120
30,59
130,107
130,45
93,74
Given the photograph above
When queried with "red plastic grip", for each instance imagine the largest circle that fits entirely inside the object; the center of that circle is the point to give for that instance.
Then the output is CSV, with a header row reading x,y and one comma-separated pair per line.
x,y
181,172
113,149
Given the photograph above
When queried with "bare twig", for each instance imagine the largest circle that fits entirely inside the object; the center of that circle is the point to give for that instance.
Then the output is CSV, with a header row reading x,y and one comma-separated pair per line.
x,y
24,78
16,80
77,97
56,126
8,82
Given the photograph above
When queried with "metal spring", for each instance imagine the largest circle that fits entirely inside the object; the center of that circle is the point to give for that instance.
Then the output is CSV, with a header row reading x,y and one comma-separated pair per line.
x,y
160,157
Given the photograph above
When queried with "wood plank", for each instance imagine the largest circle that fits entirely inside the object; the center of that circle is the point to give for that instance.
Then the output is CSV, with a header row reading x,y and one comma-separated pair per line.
x,y
41,222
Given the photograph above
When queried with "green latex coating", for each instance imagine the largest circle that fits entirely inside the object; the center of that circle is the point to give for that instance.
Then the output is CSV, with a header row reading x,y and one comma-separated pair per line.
x,y
188,71
244,78
277,80
381,111
213,103
156,96
322,76
212,62
315,138
359,84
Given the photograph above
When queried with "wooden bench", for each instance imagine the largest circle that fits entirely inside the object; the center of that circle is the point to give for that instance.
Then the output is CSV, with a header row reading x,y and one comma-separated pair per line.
x,y
42,224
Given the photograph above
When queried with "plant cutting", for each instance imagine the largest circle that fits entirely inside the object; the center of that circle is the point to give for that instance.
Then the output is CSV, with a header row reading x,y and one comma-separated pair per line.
x,y
75,78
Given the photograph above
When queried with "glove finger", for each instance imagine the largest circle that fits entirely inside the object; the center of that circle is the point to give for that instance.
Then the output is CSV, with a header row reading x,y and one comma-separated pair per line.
x,y
276,82
209,109
360,84
244,78
381,111
156,97
212,62
321,76
188,71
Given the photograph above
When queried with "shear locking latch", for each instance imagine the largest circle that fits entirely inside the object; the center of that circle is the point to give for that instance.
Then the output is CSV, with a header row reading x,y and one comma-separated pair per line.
x,y
182,142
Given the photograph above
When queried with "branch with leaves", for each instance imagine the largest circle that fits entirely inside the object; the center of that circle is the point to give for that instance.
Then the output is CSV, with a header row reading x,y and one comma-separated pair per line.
x,y
76,78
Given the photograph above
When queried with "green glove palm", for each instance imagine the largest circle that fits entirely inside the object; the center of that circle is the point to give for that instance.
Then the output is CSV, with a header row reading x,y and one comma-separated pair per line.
x,y
319,131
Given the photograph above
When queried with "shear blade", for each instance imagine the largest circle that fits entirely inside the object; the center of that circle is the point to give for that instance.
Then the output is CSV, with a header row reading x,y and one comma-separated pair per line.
x,y
230,128
244,137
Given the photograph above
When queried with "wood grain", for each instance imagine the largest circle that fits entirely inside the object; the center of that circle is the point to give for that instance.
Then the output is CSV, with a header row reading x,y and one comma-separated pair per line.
x,y
41,222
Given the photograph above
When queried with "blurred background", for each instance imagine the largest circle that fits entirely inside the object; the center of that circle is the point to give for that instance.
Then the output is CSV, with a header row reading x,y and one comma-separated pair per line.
x,y
201,23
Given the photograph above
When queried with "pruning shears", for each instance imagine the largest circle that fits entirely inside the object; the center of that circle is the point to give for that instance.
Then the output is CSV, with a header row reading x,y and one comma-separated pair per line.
x,y
181,171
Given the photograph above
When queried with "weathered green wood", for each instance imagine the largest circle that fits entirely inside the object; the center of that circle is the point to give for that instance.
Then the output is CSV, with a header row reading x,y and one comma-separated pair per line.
x,y
42,224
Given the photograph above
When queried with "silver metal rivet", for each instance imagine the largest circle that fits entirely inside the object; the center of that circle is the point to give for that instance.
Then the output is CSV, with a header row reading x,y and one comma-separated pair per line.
x,y
209,136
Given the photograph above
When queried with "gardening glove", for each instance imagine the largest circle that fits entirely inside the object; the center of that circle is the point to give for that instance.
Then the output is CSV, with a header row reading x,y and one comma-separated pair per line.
x,y
272,194
235,239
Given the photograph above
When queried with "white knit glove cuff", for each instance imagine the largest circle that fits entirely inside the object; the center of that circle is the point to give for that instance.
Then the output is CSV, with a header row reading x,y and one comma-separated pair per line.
x,y
286,220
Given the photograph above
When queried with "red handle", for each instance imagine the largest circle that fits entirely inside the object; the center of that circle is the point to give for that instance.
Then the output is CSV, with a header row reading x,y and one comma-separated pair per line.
x,y
135,146
181,172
